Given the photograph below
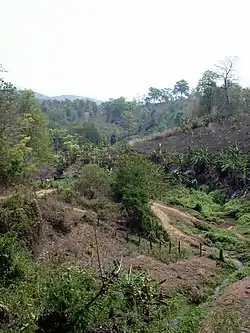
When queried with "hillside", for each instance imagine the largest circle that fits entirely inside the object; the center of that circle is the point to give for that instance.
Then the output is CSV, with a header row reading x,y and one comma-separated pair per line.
x,y
215,136
65,97
101,235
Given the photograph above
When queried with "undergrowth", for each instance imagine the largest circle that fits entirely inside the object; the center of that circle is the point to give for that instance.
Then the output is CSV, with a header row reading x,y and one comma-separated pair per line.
x,y
197,200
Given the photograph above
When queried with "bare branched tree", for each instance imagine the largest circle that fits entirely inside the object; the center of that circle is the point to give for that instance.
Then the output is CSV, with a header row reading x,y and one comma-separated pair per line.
x,y
226,71
3,70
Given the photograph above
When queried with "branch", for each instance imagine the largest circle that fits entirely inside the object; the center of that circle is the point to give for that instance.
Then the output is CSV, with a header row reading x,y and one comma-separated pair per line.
x,y
3,70
98,253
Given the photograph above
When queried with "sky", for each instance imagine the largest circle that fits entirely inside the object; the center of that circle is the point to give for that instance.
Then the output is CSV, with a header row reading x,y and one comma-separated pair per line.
x,y
112,48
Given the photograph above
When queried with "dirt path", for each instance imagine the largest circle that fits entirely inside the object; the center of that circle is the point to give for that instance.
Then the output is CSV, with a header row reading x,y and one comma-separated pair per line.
x,y
232,229
39,194
167,215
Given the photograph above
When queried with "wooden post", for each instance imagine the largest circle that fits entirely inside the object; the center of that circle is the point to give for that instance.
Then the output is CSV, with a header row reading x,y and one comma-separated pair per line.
x,y
170,247
98,254
200,249
221,255
179,248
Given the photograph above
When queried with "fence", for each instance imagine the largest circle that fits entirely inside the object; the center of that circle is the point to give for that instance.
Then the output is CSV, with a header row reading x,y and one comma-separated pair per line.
x,y
166,252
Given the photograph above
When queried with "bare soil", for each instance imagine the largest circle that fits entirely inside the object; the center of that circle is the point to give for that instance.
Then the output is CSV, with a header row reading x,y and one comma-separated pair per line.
x,y
39,194
214,137
168,215
236,300
194,271
80,245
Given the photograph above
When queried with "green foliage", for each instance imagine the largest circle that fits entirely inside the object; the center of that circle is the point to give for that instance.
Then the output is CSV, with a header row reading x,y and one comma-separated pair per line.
x,y
13,259
243,224
200,159
136,183
93,178
193,199
19,214
88,132
65,297
207,89
224,239
181,87
35,126
24,136
240,274
184,228
231,160
237,207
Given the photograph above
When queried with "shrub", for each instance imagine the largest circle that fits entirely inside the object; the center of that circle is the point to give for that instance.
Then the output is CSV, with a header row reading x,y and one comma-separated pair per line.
x,y
243,224
13,260
57,214
237,207
93,180
223,238
18,213
21,214
135,184
193,199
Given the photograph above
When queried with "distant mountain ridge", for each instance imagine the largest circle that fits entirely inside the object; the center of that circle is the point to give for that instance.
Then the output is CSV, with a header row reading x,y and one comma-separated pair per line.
x,y
64,97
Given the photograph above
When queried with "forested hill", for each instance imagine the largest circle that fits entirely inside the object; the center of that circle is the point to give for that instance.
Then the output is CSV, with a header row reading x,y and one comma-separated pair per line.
x,y
66,97
216,96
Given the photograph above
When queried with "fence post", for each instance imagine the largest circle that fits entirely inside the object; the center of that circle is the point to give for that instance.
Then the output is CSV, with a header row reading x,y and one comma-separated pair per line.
x,y
200,249
179,248
221,255
169,247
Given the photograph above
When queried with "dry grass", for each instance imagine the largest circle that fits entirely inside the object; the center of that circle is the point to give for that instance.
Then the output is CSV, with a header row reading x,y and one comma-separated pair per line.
x,y
230,312
214,137
193,271
156,136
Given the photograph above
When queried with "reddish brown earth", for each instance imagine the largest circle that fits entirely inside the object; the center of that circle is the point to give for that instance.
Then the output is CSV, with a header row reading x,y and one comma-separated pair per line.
x,y
194,271
79,244
231,310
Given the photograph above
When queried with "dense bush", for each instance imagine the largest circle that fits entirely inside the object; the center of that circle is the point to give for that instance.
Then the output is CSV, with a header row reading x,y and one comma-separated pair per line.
x,y
93,180
53,297
136,182
243,224
20,214
13,259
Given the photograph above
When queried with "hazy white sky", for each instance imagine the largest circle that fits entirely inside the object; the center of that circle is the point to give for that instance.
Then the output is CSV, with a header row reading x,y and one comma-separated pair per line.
x,y
109,48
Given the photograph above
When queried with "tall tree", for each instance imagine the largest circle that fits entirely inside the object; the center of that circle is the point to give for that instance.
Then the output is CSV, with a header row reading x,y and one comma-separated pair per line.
x,y
166,95
245,99
154,95
207,90
24,136
181,88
